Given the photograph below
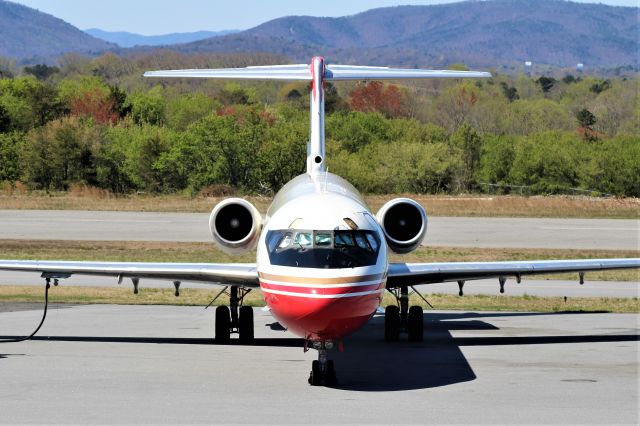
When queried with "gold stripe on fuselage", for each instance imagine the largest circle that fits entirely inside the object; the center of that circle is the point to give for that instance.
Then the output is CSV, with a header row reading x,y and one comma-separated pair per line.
x,y
314,280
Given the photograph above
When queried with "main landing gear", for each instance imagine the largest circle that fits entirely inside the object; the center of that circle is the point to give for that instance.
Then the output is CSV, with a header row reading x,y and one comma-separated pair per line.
x,y
234,318
402,319
323,372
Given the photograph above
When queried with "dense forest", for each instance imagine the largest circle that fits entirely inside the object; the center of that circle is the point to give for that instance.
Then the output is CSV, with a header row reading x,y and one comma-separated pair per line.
x,y
98,122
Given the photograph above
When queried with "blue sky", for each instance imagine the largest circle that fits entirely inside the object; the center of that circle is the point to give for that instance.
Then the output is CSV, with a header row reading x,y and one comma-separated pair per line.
x,y
166,16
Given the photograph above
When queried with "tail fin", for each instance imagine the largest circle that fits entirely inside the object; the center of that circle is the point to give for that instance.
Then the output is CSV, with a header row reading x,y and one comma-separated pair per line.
x,y
317,72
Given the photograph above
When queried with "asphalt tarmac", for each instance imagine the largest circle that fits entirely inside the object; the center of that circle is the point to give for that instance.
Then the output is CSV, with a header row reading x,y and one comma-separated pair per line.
x,y
158,364
607,234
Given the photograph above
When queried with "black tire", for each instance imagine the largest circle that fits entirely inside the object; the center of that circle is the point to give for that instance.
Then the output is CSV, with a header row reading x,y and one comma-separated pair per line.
x,y
391,323
414,324
314,376
246,323
332,379
223,324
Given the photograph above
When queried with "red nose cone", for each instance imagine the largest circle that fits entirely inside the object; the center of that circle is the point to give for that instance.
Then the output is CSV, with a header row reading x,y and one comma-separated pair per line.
x,y
322,313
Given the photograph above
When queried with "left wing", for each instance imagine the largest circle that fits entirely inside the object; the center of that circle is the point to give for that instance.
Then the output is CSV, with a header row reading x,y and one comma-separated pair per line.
x,y
405,274
241,274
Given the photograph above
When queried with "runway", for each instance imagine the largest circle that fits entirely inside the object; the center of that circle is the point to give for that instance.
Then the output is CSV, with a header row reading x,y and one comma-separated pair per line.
x,y
157,364
607,234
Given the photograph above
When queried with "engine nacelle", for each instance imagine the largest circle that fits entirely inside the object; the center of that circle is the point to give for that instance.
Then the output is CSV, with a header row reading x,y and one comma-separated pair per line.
x,y
235,225
404,223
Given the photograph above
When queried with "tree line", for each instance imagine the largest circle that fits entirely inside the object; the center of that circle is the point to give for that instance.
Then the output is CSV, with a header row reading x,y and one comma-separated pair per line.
x,y
97,122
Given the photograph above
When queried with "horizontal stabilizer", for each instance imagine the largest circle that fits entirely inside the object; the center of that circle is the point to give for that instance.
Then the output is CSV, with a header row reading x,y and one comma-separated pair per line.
x,y
303,72
270,72
345,72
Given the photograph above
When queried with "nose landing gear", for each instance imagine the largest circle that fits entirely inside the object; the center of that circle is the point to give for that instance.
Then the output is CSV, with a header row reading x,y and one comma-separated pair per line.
x,y
323,372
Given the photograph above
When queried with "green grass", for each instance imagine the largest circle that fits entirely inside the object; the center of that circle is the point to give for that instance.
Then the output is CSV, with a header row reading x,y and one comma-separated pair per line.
x,y
201,297
436,205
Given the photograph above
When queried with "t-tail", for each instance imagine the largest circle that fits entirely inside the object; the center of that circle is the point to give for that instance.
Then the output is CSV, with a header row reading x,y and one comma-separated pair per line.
x,y
317,73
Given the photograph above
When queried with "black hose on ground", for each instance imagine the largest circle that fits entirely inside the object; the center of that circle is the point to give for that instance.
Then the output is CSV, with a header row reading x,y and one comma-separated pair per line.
x,y
44,315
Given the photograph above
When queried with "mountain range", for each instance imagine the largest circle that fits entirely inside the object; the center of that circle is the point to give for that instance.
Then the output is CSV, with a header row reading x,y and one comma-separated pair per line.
x,y
32,36
127,39
477,33
481,33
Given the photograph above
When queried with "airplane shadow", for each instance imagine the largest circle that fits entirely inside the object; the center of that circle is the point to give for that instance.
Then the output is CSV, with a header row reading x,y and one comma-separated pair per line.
x,y
369,364
5,356
285,342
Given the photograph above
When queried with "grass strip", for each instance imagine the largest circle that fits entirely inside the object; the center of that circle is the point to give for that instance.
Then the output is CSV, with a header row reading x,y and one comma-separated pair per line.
x,y
202,297
436,205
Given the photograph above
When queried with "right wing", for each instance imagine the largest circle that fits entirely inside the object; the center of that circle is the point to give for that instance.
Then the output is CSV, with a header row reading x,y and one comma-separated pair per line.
x,y
240,274
431,273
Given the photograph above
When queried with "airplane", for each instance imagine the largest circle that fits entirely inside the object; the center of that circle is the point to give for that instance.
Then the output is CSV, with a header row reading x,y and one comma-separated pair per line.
x,y
322,254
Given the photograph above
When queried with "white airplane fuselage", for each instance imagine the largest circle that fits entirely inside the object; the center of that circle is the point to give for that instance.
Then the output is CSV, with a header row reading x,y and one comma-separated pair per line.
x,y
321,258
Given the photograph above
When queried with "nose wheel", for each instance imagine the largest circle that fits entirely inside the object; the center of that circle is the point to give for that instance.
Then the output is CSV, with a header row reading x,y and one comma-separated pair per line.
x,y
323,372
235,318
403,319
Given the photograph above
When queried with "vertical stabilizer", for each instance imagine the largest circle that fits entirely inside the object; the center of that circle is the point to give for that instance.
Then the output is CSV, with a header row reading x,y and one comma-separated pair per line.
x,y
316,157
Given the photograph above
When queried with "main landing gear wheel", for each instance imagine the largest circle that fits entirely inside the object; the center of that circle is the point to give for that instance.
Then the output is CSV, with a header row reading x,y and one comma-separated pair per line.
x,y
415,327
402,319
391,323
234,318
245,327
223,324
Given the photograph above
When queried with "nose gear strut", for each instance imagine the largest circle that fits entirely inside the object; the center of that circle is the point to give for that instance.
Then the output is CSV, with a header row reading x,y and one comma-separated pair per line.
x,y
323,372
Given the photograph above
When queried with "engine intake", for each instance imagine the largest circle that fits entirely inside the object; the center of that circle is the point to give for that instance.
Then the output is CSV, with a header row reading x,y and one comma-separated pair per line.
x,y
235,225
404,222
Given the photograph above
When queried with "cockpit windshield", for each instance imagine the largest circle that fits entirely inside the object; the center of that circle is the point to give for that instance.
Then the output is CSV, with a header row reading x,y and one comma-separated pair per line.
x,y
323,249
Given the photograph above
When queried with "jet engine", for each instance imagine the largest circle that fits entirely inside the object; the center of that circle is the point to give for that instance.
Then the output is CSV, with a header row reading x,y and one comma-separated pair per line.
x,y
235,225
404,223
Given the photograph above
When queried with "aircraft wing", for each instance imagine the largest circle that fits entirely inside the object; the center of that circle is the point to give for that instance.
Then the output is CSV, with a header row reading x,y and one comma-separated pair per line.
x,y
241,274
406,274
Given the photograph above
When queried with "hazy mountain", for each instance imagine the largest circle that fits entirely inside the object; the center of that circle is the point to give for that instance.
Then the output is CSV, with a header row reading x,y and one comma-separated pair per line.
x,y
477,33
126,39
26,33
474,32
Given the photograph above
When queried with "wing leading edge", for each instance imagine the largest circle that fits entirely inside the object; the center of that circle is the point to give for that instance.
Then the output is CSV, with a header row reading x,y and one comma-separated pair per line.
x,y
401,274
241,274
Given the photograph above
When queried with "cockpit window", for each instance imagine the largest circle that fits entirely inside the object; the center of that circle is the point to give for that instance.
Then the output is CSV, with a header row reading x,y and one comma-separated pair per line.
x,y
323,249
285,241
344,239
373,242
303,239
323,239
